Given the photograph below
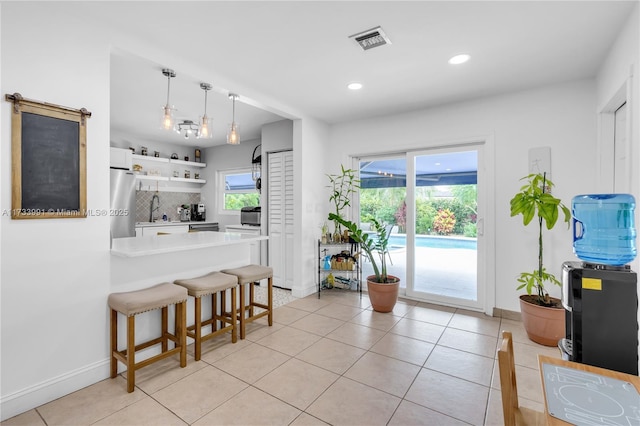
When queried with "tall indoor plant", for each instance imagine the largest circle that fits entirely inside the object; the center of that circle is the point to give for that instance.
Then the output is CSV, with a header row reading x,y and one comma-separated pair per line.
x,y
342,186
542,315
381,287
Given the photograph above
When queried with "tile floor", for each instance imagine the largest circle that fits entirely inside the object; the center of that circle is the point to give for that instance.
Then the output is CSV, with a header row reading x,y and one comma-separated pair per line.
x,y
324,361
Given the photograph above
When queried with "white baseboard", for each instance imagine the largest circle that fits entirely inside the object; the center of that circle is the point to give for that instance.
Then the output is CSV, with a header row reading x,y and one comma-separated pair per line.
x,y
304,291
26,399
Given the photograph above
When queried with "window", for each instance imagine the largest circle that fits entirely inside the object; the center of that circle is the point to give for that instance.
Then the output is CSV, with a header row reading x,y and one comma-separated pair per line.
x,y
238,190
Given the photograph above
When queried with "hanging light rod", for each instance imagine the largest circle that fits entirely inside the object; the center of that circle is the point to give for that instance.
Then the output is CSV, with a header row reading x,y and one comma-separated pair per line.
x,y
205,122
167,117
233,136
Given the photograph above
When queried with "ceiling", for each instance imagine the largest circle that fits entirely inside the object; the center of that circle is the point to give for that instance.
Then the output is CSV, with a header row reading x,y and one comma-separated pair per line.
x,y
295,58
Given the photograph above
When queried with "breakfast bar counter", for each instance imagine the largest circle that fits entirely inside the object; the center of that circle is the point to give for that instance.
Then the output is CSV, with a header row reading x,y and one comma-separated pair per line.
x,y
140,262
158,244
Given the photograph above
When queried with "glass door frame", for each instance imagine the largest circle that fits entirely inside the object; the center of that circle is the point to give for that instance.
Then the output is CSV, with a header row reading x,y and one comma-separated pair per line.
x,y
411,292
485,221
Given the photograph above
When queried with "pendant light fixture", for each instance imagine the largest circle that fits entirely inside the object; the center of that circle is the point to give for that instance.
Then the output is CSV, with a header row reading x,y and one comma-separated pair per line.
x,y
233,135
167,116
205,122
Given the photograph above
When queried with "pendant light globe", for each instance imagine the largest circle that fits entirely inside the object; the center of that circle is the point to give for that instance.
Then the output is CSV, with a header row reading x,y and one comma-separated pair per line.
x,y
233,135
168,121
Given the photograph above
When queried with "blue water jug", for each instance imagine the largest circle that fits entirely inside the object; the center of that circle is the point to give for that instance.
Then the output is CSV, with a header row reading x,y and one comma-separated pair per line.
x,y
603,228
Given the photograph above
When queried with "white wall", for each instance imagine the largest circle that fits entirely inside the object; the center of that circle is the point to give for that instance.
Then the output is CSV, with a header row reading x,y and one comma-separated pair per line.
x,y
621,69
560,116
54,273
310,154
277,136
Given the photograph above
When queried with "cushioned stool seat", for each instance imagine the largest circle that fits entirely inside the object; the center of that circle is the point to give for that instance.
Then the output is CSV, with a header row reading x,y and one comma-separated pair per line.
x,y
133,303
248,275
211,284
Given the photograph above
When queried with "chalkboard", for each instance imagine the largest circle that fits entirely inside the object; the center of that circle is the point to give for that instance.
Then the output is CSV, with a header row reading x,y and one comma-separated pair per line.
x,y
48,160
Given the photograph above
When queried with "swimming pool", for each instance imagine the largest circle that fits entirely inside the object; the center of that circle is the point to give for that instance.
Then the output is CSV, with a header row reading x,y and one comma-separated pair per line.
x,y
397,241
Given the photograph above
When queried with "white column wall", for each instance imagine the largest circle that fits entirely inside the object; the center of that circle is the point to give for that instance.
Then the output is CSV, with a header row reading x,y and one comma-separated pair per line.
x,y
54,273
310,154
622,66
560,116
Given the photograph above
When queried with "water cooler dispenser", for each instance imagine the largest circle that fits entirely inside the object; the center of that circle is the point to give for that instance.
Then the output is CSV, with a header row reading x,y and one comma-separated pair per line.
x,y
600,293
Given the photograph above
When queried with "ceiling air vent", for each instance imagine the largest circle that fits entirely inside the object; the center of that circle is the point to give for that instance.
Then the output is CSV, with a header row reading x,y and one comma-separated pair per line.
x,y
371,38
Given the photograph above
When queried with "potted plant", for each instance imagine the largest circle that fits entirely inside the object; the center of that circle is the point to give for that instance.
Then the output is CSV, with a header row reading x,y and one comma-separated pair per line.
x,y
381,287
342,186
542,315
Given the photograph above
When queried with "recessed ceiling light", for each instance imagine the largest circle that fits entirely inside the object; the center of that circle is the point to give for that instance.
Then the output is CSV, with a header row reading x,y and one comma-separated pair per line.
x,y
354,86
459,59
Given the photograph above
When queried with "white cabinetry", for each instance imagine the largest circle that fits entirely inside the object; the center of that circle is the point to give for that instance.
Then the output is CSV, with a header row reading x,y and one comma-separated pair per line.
x,y
280,217
168,229
121,158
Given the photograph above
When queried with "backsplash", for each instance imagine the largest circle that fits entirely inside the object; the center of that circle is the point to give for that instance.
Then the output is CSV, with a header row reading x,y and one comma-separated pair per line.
x,y
169,203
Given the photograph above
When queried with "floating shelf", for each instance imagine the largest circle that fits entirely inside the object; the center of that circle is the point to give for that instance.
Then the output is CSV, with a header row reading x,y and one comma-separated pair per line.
x,y
148,158
167,160
148,177
177,179
188,163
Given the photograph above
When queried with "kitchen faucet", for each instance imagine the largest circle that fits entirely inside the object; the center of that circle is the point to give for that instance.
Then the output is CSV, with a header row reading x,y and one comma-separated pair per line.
x,y
151,209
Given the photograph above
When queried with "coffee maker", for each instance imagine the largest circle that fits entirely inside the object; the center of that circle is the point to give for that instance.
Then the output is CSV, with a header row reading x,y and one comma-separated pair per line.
x,y
198,213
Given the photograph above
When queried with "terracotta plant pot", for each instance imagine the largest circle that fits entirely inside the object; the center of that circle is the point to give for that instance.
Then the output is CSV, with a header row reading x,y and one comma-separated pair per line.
x,y
383,296
544,325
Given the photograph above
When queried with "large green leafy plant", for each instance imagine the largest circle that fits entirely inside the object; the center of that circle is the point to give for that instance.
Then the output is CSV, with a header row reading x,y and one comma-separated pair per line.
x,y
535,200
375,246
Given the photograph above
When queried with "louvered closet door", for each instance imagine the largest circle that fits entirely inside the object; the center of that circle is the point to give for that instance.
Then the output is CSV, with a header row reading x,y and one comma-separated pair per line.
x,y
280,207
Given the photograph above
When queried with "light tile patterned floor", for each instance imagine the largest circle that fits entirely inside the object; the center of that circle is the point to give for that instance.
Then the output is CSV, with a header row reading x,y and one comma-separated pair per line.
x,y
324,361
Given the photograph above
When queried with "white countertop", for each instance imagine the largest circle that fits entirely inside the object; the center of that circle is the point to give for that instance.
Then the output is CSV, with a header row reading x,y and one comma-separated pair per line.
x,y
177,222
158,244
244,227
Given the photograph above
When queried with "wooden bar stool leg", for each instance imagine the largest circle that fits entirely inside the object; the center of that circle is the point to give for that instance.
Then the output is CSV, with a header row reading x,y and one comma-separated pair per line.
x,y
198,326
165,329
270,300
251,299
214,311
131,353
223,302
182,332
242,312
234,330
114,342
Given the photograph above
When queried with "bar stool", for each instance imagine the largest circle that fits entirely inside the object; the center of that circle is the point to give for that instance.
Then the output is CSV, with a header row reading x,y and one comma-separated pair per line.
x,y
248,275
212,284
133,303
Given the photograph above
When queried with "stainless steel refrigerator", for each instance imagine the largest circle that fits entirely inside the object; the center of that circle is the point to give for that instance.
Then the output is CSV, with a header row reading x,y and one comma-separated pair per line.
x,y
123,203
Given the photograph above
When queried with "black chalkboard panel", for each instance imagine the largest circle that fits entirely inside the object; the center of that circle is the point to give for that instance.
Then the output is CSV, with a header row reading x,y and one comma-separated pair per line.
x,y
48,160
50,163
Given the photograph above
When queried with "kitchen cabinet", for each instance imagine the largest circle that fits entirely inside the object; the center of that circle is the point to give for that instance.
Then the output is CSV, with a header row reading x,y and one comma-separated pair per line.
x,y
121,158
162,169
339,266
166,229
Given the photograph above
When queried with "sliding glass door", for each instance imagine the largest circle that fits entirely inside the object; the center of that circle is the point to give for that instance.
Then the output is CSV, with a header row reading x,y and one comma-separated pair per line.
x,y
429,200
